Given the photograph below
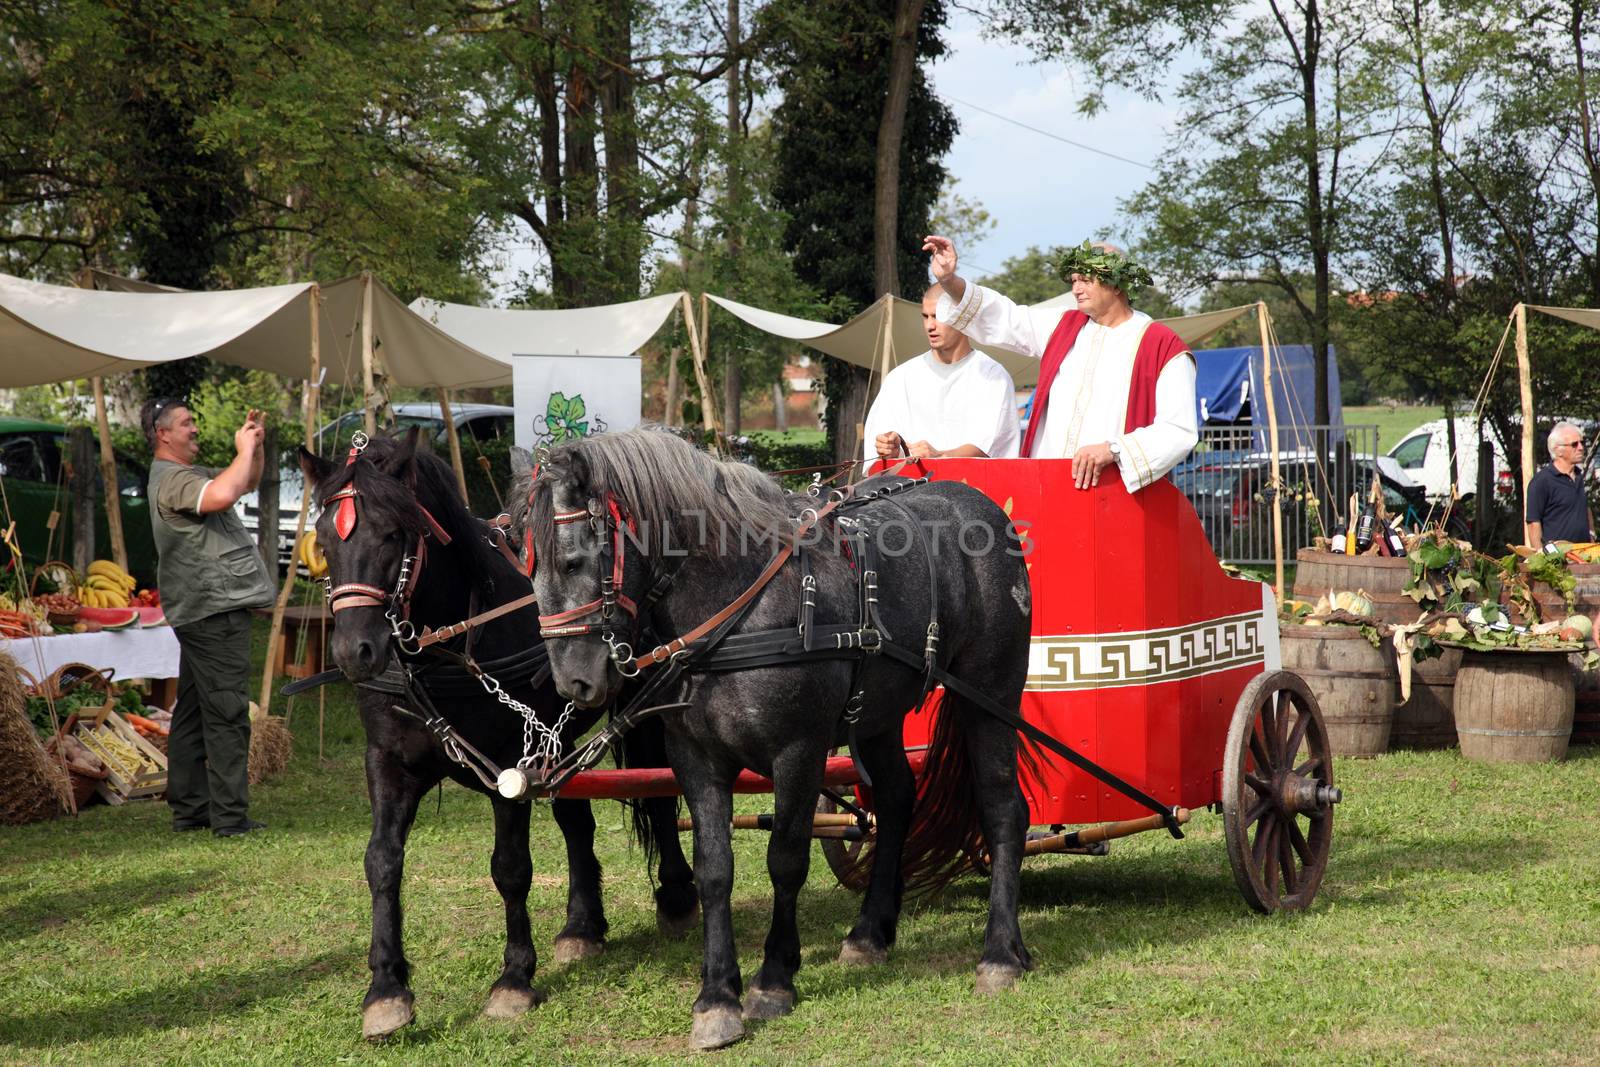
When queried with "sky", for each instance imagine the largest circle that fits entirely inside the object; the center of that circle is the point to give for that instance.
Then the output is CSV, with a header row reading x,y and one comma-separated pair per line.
x,y
1038,189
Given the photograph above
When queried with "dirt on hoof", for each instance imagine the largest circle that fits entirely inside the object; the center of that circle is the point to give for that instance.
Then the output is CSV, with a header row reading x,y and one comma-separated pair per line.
x,y
679,927
506,1003
767,1003
573,949
859,954
382,1018
716,1028
995,977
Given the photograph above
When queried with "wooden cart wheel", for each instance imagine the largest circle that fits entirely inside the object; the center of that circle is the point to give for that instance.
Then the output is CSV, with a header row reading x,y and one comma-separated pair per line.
x,y
1278,794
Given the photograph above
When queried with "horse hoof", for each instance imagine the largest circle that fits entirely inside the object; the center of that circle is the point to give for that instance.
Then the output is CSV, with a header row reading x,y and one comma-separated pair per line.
x,y
996,977
716,1028
678,927
862,954
573,949
508,1003
767,1003
383,1017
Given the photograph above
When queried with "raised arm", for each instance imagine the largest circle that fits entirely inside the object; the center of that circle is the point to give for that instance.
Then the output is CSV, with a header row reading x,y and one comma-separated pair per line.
x,y
989,319
240,476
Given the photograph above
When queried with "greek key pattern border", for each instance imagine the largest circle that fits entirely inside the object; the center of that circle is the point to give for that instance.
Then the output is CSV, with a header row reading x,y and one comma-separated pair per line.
x,y
1102,661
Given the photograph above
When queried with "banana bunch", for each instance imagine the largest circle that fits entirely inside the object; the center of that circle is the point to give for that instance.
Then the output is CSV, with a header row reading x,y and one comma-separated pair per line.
x,y
106,586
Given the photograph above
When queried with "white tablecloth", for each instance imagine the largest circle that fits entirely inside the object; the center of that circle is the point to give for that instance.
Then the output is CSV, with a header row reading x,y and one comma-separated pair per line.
x,y
137,653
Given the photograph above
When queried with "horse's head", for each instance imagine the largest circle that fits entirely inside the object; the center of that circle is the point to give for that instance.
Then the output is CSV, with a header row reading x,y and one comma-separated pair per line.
x,y
588,571
370,529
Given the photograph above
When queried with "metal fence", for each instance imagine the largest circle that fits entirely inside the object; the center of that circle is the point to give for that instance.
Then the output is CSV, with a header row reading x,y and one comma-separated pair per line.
x,y
1228,480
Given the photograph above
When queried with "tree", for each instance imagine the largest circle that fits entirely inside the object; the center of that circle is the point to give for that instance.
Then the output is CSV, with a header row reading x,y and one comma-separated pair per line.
x,y
833,66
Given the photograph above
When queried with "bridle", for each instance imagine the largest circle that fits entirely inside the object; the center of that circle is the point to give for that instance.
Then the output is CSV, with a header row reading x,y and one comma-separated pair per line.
x,y
609,524
396,601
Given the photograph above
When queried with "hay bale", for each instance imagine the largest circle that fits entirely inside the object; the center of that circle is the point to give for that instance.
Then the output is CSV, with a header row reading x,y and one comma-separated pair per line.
x,y
33,786
270,746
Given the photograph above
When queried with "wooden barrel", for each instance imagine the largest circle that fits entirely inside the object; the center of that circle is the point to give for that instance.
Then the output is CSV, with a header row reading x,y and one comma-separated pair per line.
x,y
1427,720
1354,683
1514,707
1585,703
1382,577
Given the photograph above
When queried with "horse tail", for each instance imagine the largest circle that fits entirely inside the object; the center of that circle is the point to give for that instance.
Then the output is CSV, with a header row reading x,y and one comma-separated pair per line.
x,y
945,838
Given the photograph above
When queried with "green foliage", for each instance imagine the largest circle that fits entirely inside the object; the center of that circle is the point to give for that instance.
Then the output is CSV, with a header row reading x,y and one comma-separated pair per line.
x,y
965,222
1029,278
783,452
220,406
1103,265
831,65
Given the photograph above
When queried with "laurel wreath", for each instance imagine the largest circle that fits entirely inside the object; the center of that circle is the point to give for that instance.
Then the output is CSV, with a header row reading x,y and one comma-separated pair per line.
x,y
1102,265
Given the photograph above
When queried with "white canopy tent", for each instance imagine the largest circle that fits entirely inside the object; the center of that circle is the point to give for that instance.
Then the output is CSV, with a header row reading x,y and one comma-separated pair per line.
x,y
263,329
866,342
500,333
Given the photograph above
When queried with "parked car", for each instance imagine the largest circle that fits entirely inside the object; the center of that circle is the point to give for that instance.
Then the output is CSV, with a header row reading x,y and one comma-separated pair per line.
x,y
474,422
1228,494
1424,454
32,470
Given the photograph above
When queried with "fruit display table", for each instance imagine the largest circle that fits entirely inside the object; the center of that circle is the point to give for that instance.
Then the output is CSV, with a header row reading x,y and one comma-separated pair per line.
x,y
134,653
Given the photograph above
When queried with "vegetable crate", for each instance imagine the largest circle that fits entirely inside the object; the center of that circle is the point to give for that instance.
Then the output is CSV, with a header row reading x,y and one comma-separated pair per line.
x,y
137,769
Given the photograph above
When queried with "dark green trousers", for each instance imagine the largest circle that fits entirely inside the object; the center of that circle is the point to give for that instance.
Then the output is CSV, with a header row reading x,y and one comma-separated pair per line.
x,y
208,749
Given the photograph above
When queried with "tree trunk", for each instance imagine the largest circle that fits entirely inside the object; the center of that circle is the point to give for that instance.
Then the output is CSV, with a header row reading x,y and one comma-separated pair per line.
x,y
780,409
83,464
267,501
851,417
733,373
672,410
624,218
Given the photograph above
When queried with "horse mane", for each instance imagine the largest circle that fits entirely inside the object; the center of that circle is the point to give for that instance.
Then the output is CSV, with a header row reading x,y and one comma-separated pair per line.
x,y
680,497
394,499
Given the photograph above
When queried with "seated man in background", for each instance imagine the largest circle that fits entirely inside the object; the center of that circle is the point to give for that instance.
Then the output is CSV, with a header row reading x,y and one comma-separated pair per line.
x,y
1557,508
951,401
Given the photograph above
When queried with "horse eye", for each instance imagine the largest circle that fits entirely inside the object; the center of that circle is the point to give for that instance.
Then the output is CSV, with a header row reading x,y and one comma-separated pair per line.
x,y
573,565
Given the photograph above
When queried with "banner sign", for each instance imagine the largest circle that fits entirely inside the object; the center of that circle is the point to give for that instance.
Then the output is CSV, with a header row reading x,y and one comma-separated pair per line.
x,y
561,397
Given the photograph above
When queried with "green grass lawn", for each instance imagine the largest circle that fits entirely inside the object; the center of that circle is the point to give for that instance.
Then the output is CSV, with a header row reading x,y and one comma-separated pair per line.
x,y
1459,923
1393,422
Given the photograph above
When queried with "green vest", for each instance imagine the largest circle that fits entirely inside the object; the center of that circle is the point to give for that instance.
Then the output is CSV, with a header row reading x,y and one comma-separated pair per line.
x,y
208,563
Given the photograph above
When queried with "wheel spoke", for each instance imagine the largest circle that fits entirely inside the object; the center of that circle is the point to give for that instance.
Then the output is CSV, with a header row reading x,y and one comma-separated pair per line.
x,y
1258,749
1270,873
1261,847
1301,846
1260,808
1286,859
1260,785
1292,746
1309,766
1281,721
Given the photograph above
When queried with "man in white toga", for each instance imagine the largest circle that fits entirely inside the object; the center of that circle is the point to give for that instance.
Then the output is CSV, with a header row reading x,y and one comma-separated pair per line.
x,y
950,401
1115,387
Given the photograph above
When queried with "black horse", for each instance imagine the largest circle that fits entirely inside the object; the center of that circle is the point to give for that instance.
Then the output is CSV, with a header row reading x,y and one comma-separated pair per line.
x,y
617,515
399,540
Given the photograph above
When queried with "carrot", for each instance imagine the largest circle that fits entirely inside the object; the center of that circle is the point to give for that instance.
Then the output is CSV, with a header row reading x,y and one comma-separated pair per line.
x,y
144,725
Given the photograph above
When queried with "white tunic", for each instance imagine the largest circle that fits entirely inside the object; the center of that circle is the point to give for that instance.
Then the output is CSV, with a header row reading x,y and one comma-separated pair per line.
x,y
1089,396
969,402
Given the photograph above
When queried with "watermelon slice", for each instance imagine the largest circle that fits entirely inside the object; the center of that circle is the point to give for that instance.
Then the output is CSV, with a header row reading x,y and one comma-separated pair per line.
x,y
110,618
151,615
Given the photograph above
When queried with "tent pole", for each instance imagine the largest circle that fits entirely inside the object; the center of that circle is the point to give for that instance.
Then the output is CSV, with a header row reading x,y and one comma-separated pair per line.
x,y
1272,444
1525,381
108,475
308,406
708,413
370,417
455,440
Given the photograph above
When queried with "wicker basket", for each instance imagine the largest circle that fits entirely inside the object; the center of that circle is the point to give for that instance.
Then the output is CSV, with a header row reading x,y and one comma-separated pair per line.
x,y
50,565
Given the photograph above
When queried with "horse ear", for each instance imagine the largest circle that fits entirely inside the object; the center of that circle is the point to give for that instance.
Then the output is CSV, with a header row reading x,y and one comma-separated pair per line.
x,y
313,466
521,461
405,457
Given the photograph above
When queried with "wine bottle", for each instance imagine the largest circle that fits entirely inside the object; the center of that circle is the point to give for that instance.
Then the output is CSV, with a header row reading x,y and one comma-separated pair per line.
x,y
1366,527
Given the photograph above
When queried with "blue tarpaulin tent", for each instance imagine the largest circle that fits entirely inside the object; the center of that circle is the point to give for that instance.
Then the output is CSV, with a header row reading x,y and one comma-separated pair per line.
x,y
1230,378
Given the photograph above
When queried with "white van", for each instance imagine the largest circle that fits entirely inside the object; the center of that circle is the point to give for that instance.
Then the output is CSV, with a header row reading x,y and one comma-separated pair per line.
x,y
1424,454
